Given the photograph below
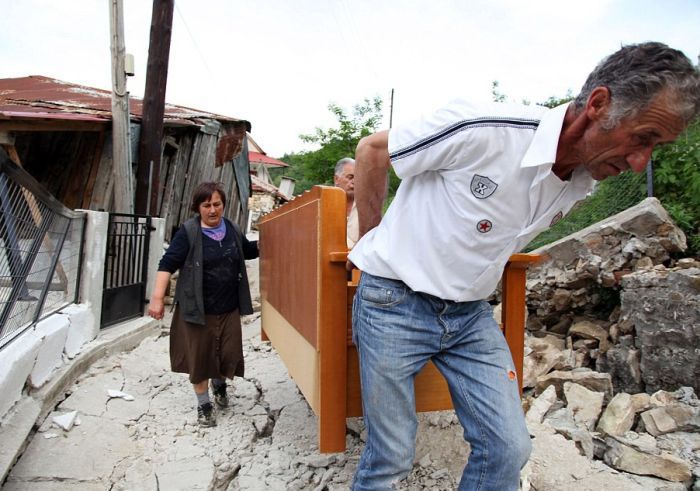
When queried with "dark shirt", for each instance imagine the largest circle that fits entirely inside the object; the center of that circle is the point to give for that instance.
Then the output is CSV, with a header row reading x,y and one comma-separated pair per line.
x,y
221,271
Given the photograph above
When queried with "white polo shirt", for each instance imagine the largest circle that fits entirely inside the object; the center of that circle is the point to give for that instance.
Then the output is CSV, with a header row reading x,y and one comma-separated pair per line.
x,y
476,187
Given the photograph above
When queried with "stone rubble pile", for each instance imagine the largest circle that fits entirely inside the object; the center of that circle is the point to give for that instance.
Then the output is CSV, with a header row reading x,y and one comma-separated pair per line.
x,y
654,435
647,343
580,267
611,359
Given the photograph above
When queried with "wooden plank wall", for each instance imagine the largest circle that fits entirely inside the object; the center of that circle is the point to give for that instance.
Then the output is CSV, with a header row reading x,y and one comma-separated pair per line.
x,y
193,163
61,161
76,167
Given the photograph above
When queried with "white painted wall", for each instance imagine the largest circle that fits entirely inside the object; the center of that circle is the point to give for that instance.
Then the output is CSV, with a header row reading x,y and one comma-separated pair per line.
x,y
16,363
53,332
83,325
93,272
33,358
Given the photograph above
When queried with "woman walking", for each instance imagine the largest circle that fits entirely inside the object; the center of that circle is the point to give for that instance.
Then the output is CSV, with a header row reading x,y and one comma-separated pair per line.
x,y
212,292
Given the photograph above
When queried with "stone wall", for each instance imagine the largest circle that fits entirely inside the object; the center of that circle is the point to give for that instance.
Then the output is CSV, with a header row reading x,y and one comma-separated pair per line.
x,y
664,308
581,266
611,298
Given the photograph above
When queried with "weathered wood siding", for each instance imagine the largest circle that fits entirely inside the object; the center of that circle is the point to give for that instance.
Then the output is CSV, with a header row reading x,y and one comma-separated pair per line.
x,y
193,162
76,167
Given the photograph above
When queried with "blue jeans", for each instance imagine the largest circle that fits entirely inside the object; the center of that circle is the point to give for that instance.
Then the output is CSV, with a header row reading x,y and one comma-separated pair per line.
x,y
396,331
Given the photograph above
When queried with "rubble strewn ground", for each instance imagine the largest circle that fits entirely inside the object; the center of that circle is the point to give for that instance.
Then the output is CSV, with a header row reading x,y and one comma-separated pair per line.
x,y
268,438
594,411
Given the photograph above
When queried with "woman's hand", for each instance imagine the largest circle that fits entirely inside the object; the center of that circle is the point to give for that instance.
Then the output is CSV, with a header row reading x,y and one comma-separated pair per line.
x,y
156,308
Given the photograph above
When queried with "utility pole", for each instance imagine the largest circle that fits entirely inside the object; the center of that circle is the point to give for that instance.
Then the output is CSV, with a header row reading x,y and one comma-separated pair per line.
x,y
121,154
150,144
391,109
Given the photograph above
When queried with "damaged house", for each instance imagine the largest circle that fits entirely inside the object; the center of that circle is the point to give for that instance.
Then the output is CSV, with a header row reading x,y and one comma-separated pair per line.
x,y
266,196
61,134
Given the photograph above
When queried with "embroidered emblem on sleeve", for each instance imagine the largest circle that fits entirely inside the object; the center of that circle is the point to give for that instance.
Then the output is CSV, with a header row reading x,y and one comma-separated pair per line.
x,y
556,218
482,187
484,226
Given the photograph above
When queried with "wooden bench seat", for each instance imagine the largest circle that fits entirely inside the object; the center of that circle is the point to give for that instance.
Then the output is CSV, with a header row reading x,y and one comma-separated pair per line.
x,y
306,303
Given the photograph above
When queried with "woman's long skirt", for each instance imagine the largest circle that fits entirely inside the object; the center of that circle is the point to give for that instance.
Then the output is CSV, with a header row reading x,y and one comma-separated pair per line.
x,y
214,350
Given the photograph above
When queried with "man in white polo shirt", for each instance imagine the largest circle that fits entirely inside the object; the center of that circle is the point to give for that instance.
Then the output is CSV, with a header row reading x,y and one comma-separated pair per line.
x,y
478,183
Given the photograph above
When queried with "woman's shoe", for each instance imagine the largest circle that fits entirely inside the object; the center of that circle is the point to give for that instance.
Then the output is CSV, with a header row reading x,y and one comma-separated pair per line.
x,y
220,395
205,415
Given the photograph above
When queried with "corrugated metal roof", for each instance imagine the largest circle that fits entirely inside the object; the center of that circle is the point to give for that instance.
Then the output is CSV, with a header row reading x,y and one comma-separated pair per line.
x,y
43,97
259,158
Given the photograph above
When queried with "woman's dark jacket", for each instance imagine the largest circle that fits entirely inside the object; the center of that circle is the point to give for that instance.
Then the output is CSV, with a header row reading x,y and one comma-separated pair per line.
x,y
189,293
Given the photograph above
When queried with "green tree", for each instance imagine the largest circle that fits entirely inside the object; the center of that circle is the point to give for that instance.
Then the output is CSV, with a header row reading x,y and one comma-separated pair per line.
x,y
496,94
316,166
552,101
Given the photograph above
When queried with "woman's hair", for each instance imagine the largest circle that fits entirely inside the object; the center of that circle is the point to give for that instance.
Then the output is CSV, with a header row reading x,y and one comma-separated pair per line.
x,y
204,191
637,73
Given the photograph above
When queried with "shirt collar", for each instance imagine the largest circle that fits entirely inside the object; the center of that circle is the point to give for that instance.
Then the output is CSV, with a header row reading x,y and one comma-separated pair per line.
x,y
543,148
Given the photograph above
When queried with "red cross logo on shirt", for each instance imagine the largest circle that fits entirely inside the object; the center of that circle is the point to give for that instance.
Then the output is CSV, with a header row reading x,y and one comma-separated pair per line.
x,y
484,226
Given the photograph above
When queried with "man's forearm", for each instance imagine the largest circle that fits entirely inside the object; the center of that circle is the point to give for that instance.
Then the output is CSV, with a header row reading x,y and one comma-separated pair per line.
x,y
371,179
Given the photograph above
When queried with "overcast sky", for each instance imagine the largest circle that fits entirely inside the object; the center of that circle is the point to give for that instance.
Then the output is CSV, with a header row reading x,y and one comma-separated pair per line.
x,y
279,63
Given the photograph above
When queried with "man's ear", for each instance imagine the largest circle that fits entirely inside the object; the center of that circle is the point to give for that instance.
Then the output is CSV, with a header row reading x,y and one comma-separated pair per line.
x,y
598,103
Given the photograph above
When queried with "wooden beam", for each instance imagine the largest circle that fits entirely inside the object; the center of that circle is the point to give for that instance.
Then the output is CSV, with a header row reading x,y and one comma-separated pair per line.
x,y
513,307
121,147
148,187
36,215
94,168
51,125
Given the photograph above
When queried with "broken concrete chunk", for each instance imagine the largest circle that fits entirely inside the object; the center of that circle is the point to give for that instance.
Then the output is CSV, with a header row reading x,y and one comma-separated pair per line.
x,y
562,421
665,310
119,394
618,417
643,442
595,381
627,459
591,330
641,402
544,354
541,405
584,404
65,421
671,418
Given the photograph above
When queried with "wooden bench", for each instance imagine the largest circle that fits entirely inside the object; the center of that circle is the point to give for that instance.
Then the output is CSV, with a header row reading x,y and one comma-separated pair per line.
x,y
306,304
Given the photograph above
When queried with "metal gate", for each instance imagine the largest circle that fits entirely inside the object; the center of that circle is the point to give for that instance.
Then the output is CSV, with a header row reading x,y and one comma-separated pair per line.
x,y
126,267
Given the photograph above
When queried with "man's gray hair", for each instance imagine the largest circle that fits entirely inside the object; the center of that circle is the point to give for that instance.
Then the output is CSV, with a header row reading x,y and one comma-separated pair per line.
x,y
636,74
341,163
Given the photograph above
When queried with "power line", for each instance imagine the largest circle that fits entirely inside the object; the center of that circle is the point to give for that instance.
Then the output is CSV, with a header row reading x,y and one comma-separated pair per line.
x,y
194,41
359,40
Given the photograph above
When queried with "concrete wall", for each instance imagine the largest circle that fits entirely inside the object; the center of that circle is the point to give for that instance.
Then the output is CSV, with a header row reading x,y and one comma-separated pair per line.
x,y
31,360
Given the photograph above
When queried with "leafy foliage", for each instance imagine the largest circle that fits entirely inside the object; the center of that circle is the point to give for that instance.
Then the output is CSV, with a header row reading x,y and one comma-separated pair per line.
x,y
496,94
552,101
316,166
613,195
677,183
